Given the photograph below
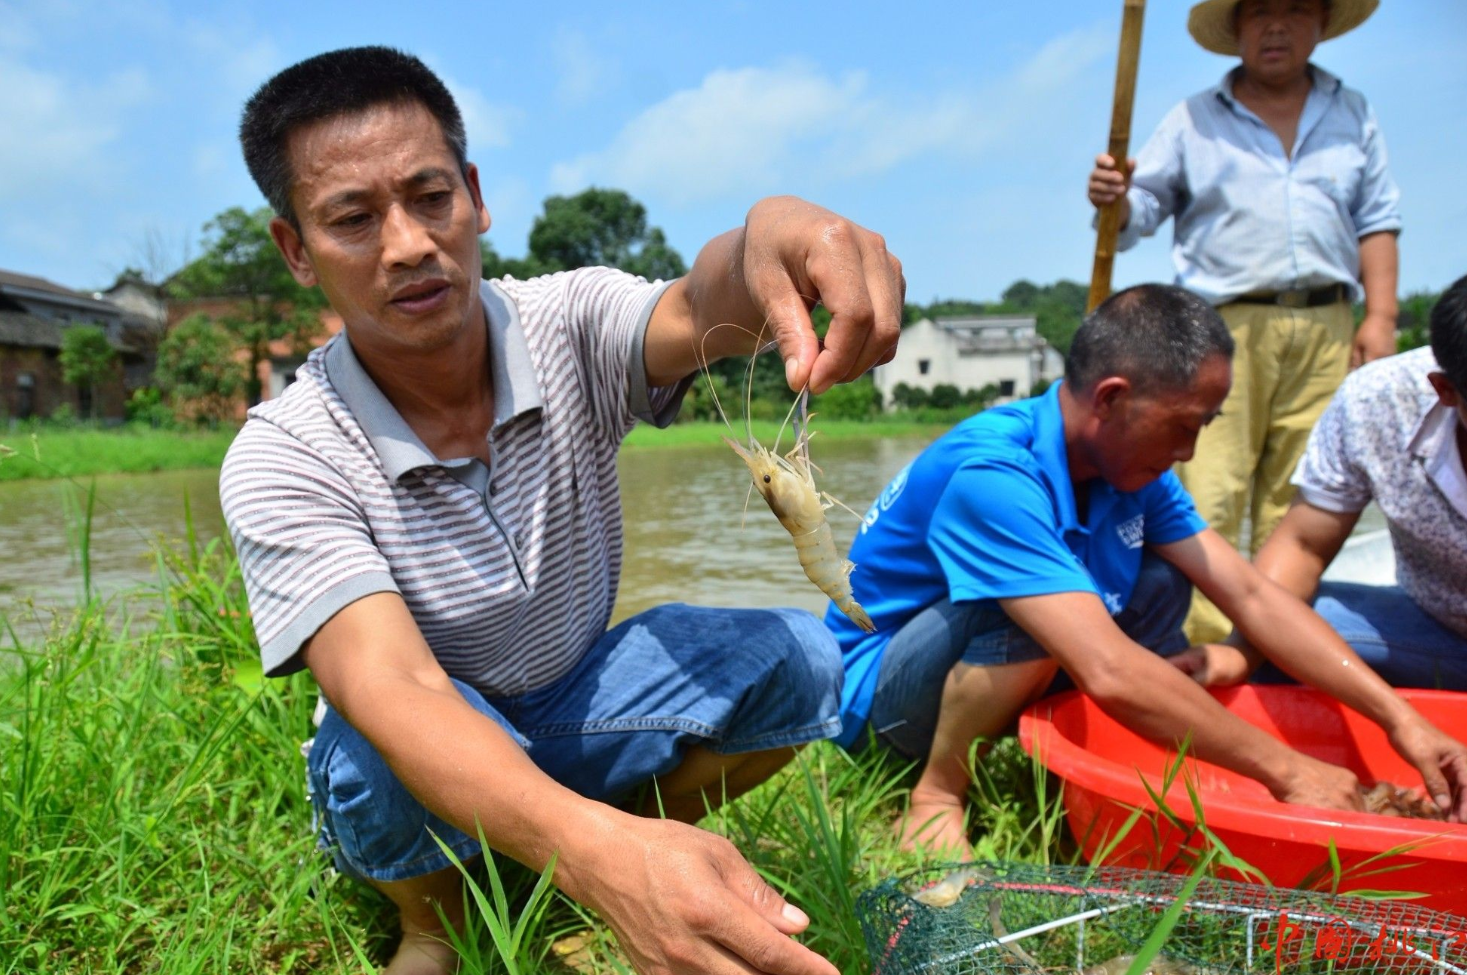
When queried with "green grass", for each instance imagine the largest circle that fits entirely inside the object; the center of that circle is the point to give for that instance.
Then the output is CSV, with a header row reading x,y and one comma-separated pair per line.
x,y
55,452
707,433
153,816
58,452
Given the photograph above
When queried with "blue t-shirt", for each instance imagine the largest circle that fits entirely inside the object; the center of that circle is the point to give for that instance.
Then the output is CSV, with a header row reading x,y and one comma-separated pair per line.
x,y
987,513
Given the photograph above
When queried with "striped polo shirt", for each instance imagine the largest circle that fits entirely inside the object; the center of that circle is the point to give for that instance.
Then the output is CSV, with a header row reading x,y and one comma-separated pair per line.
x,y
509,569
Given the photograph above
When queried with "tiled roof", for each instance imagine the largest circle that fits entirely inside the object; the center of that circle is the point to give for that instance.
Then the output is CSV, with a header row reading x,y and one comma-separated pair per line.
x,y
33,331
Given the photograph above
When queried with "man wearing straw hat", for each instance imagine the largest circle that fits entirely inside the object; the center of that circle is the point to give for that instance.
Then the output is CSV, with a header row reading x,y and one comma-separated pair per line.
x,y
1284,214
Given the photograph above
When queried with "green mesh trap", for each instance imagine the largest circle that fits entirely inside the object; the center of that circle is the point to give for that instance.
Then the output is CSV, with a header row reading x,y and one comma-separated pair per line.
x,y
1012,918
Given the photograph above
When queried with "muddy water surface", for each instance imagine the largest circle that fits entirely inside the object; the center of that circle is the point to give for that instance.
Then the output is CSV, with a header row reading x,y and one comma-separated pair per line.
x,y
682,512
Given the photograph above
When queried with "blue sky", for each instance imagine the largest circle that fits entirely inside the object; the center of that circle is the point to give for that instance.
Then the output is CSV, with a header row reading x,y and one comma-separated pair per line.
x,y
961,131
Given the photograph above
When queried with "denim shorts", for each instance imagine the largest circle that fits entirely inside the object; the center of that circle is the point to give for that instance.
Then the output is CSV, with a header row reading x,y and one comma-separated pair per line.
x,y
916,663
1400,641
732,680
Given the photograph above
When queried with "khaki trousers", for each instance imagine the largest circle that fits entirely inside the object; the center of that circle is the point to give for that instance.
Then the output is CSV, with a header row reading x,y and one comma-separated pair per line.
x,y
1287,365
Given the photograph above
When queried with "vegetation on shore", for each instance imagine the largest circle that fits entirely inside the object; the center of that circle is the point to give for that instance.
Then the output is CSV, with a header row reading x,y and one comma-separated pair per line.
x,y
155,816
55,450
48,451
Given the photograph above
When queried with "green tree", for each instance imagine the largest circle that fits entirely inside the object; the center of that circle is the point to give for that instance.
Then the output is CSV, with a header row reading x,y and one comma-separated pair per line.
x,y
597,227
905,397
602,227
945,396
495,266
86,359
856,400
240,262
1413,320
197,369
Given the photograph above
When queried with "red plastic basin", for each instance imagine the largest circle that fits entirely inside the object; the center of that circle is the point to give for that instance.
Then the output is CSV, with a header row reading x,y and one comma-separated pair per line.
x,y
1103,765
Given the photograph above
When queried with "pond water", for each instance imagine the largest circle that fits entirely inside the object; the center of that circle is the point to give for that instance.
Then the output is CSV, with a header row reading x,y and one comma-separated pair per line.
x,y
688,538
682,512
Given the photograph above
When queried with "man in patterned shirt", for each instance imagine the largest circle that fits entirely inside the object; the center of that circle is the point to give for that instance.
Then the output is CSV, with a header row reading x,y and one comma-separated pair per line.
x,y
1394,434
429,521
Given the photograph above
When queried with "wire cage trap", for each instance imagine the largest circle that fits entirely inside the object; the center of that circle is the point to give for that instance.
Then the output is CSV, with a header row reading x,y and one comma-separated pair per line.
x,y
1016,918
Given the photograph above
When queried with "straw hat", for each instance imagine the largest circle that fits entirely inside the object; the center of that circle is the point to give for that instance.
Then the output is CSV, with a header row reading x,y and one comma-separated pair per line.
x,y
1211,22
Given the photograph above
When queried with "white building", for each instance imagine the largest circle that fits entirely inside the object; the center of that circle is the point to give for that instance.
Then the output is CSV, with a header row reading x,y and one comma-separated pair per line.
x,y
971,352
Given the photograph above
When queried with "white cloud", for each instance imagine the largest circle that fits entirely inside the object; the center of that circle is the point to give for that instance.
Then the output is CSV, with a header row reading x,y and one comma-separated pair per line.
x,y
583,71
746,130
58,127
487,124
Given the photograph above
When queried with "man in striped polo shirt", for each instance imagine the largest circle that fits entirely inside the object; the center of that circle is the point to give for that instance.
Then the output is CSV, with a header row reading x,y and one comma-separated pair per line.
x,y
429,521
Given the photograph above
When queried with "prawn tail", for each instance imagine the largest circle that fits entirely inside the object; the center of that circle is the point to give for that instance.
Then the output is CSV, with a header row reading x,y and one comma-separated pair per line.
x,y
857,614
831,573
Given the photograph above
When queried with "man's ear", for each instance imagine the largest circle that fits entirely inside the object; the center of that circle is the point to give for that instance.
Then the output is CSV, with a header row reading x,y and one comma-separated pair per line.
x,y
1109,395
471,177
289,243
1446,393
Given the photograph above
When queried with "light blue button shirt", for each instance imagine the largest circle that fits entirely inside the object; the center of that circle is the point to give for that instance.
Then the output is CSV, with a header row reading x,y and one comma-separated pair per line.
x,y
1248,216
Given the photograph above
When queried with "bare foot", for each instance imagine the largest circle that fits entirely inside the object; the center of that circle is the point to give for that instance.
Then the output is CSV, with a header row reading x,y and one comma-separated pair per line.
x,y
423,953
934,826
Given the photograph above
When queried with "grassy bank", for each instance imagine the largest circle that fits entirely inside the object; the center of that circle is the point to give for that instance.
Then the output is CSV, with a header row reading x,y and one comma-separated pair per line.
x,y
54,452
154,816
51,452
706,433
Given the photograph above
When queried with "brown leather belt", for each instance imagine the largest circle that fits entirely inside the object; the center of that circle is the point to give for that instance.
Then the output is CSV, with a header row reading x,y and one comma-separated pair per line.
x,y
1300,298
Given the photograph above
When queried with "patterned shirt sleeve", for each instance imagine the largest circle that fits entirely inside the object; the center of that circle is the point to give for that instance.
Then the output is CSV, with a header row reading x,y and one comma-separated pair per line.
x,y
1328,476
302,540
606,313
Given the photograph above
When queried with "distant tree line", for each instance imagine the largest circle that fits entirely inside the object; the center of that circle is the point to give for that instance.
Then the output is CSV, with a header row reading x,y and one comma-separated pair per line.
x,y
211,361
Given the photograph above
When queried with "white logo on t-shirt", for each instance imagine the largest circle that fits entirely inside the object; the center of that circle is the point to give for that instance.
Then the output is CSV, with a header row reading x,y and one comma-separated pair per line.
x,y
1132,532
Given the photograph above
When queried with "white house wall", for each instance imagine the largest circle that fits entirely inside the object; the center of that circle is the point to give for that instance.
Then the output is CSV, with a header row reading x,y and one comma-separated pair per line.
x,y
925,341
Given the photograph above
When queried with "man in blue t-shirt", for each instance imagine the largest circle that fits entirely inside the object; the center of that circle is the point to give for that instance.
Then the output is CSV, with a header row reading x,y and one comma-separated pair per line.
x,y
1051,534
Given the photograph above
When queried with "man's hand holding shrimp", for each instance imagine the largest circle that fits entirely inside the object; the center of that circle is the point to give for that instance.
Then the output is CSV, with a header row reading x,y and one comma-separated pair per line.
x,y
764,278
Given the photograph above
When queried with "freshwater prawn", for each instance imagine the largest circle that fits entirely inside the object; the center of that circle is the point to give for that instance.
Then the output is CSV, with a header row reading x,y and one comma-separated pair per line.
x,y
787,484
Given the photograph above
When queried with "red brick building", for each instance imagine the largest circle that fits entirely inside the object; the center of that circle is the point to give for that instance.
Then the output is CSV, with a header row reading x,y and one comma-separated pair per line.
x,y
34,316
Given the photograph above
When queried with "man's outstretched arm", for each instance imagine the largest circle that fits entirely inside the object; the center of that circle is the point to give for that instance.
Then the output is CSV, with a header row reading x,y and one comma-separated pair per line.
x,y
1151,697
679,898
1285,630
757,283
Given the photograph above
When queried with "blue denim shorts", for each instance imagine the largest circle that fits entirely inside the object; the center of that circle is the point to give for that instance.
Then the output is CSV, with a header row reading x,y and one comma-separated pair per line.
x,y
1400,641
732,680
916,663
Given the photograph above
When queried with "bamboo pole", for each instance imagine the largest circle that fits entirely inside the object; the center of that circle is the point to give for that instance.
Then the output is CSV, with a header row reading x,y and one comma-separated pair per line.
x,y
1120,140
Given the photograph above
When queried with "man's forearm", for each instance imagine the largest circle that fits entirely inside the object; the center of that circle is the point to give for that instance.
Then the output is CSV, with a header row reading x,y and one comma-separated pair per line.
x,y
1154,699
468,770
1379,269
1307,649
1292,566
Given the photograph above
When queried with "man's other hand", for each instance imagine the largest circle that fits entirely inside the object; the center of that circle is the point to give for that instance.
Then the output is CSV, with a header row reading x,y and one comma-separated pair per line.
x,y
1214,664
682,901
795,254
1315,783
1374,339
1442,762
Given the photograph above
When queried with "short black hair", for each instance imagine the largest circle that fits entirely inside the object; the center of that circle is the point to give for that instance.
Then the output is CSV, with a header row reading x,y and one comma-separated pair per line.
x,y
342,82
1449,334
1155,335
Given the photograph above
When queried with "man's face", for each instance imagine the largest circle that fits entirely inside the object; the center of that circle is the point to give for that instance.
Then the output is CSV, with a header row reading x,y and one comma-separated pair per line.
x,y
1450,397
1276,37
389,226
1142,436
